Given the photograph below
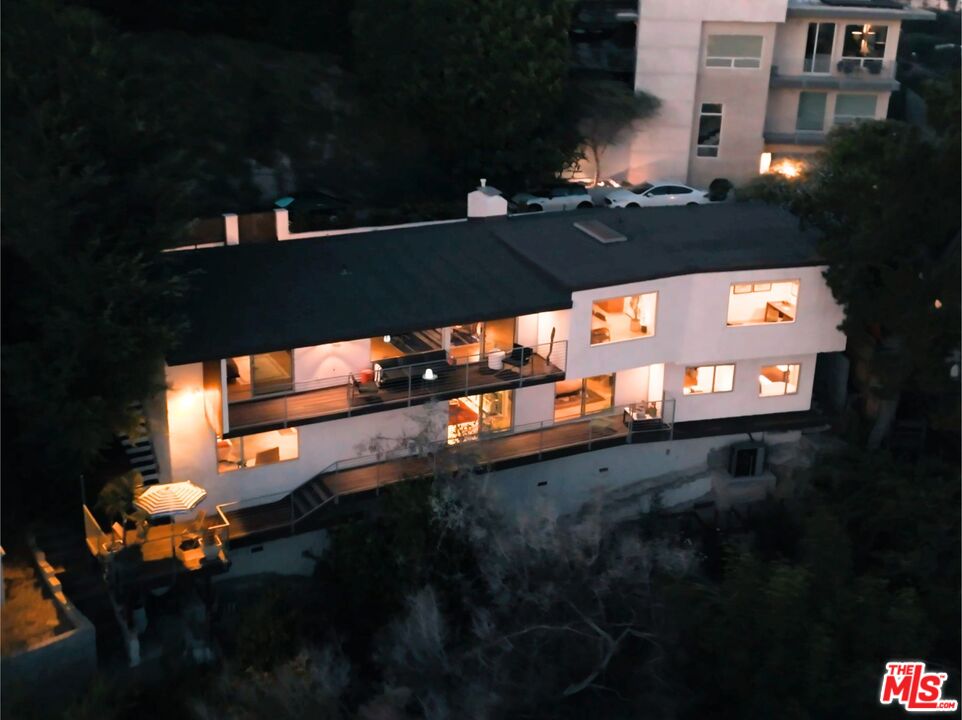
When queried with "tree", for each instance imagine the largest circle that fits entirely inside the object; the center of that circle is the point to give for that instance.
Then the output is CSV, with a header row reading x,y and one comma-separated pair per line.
x,y
483,82
608,110
884,199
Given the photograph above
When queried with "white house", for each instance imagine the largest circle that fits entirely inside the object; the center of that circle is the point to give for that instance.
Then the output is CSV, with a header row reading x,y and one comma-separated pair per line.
x,y
634,342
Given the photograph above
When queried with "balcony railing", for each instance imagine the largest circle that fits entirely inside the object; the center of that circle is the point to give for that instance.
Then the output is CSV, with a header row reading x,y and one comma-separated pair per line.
x,y
635,422
413,384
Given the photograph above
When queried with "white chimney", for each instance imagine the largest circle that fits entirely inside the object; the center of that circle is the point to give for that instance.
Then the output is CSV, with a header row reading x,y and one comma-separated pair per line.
x,y
486,202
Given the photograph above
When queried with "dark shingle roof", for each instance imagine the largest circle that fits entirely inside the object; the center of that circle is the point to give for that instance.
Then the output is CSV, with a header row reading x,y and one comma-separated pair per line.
x,y
248,299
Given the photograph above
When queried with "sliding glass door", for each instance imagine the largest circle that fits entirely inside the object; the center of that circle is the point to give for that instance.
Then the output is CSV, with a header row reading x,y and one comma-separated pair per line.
x,y
272,372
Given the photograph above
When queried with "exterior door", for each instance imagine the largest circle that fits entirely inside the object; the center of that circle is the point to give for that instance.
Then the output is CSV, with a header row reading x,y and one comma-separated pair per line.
x,y
272,372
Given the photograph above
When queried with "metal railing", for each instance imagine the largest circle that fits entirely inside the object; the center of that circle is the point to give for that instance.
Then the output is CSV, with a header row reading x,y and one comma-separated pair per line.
x,y
403,387
628,422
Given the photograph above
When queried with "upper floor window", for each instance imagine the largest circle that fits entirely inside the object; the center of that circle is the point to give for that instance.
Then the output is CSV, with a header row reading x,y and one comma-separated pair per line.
x,y
818,48
709,130
776,380
811,111
740,51
849,107
706,379
864,41
623,318
752,303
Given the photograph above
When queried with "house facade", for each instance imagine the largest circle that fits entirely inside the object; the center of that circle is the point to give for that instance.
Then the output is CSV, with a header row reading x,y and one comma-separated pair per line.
x,y
753,85
314,366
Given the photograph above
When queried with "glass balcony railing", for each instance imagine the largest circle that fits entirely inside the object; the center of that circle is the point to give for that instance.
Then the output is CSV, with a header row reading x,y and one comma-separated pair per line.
x,y
394,383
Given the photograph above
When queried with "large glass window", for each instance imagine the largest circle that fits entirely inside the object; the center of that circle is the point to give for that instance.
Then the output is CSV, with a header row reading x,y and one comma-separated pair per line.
x,y
272,372
776,380
818,48
811,111
250,451
488,413
850,108
740,51
705,379
751,303
623,318
262,374
709,130
864,41
577,398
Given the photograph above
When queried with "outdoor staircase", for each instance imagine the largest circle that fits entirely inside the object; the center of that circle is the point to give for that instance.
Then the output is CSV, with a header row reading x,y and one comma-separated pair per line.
x,y
140,450
310,496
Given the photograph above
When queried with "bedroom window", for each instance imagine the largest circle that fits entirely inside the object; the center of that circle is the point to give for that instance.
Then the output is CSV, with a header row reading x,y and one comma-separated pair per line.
x,y
705,379
757,303
623,318
249,451
774,380
577,398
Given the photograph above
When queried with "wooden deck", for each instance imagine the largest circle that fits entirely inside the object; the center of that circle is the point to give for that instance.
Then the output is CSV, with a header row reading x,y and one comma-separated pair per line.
x,y
588,433
343,401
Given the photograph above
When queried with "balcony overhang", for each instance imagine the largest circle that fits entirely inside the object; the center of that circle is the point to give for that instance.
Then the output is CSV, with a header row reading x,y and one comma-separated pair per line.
x,y
809,9
834,82
813,139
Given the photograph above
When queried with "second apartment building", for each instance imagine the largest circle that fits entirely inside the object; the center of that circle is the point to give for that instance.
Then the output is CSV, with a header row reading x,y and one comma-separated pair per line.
x,y
751,85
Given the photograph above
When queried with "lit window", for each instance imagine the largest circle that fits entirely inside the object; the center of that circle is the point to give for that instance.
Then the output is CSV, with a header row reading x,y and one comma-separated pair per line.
x,y
754,303
778,380
709,130
864,41
249,451
706,379
577,398
739,51
623,318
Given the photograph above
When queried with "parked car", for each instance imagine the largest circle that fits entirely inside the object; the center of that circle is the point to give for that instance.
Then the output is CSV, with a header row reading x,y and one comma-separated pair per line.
x,y
656,194
567,196
312,210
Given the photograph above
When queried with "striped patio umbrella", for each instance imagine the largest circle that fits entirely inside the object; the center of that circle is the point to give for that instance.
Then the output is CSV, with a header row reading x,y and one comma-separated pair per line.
x,y
169,498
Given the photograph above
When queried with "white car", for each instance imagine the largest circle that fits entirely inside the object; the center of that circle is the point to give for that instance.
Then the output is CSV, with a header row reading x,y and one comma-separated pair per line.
x,y
555,197
656,194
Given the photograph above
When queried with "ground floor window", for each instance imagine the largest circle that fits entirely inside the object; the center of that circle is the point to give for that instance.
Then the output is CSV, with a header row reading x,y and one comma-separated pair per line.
x,y
577,398
776,380
705,379
472,415
263,448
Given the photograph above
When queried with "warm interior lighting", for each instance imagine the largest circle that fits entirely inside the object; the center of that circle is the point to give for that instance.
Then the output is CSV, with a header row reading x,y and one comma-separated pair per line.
x,y
938,304
429,374
387,338
786,168
764,163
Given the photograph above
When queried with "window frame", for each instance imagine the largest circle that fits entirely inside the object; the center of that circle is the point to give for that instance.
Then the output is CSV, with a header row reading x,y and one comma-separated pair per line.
x,y
654,320
731,291
798,383
714,379
240,439
699,146
808,64
734,60
812,93
875,26
849,119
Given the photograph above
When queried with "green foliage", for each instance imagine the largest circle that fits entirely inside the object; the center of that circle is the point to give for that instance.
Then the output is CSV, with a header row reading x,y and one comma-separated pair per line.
x,y
875,576
116,498
483,82
268,632
606,110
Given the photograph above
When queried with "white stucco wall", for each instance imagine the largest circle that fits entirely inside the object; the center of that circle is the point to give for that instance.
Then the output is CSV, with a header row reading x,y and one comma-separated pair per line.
x,y
331,363
691,323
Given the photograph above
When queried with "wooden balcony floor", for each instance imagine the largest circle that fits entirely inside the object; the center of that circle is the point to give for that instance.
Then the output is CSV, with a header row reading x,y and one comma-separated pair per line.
x,y
492,449
338,400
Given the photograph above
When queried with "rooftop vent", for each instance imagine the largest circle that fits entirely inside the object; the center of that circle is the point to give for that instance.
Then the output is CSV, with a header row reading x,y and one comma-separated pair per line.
x,y
597,230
